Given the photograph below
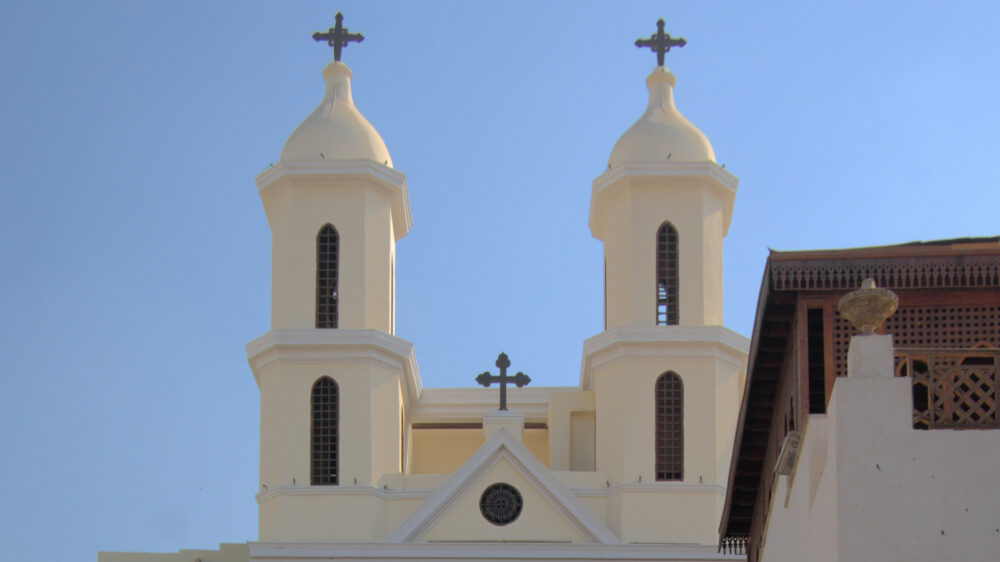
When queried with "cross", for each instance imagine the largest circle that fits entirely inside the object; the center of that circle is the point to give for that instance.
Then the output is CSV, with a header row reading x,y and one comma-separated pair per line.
x,y
520,379
660,42
338,37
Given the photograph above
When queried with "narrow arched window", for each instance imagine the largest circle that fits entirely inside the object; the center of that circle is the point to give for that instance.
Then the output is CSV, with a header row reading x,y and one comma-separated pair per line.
x,y
327,261
325,432
669,427
666,275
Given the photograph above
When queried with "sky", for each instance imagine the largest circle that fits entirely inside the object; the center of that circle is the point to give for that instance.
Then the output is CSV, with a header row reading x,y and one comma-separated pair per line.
x,y
136,253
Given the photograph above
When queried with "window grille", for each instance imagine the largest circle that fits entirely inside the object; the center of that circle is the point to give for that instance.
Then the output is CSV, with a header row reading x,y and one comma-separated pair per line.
x,y
325,432
666,275
327,261
669,427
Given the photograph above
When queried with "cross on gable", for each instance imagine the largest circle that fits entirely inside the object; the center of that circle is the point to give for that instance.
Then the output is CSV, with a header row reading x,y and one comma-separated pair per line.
x,y
338,37
520,379
660,42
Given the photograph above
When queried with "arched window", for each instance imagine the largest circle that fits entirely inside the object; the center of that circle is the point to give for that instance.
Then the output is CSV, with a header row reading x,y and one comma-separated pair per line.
x,y
669,427
325,432
666,275
327,260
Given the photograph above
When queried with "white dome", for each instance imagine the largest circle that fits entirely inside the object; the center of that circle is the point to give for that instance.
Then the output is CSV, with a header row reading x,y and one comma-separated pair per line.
x,y
336,130
661,134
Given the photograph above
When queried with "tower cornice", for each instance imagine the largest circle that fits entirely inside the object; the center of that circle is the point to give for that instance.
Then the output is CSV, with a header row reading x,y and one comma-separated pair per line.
x,y
608,184
331,346
291,175
661,341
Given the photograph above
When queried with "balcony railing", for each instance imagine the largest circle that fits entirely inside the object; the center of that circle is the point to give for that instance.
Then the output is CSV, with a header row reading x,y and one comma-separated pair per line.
x,y
952,388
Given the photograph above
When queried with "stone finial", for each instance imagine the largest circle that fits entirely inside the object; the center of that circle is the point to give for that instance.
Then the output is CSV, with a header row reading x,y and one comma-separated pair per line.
x,y
868,307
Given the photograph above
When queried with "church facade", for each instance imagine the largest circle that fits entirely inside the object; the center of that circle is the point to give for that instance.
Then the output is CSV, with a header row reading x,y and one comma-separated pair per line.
x,y
359,462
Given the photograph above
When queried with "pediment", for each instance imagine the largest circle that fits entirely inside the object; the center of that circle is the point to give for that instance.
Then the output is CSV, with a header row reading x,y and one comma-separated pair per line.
x,y
550,511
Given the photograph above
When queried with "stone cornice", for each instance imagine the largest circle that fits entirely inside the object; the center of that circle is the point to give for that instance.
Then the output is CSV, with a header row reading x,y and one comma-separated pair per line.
x,y
332,346
719,180
381,493
662,341
285,176
650,488
404,494
536,552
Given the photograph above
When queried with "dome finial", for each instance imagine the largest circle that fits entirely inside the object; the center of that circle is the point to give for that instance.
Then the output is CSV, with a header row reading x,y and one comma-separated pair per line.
x,y
337,36
660,42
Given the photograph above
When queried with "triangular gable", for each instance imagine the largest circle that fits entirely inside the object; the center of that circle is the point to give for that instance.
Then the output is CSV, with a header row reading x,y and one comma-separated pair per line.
x,y
500,453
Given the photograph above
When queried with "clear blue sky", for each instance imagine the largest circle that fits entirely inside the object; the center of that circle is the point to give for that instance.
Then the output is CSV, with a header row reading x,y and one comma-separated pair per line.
x,y
136,252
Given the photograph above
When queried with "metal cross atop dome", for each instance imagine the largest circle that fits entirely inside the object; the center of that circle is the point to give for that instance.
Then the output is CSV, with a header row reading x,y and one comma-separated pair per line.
x,y
520,379
338,37
660,42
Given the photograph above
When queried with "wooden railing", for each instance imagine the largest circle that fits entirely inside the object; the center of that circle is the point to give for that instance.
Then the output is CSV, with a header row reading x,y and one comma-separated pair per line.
x,y
952,388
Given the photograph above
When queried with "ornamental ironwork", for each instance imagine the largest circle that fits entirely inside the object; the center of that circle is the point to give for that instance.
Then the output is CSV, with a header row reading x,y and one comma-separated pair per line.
x,y
327,266
337,36
667,313
325,432
520,379
660,42
501,504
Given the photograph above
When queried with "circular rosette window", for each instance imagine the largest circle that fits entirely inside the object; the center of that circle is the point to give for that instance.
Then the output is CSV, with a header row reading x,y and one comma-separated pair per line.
x,y
501,504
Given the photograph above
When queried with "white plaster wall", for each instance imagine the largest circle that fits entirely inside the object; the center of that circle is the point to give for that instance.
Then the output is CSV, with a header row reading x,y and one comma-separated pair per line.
x,y
870,487
905,494
802,524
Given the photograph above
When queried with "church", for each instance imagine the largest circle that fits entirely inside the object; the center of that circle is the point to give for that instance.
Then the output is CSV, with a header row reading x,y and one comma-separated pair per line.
x,y
359,462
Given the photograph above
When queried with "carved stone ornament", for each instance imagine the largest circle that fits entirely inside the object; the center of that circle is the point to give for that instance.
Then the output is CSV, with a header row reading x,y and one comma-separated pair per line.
x,y
868,307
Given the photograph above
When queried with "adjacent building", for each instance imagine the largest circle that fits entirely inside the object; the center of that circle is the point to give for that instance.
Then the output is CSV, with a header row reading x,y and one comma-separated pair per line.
x,y
881,447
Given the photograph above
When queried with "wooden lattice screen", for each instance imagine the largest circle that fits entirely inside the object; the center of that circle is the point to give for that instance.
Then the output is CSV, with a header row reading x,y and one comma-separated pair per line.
x,y
952,389
950,327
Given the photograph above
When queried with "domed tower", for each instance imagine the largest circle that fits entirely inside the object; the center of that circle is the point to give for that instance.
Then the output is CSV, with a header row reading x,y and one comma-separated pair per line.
x,y
665,373
331,374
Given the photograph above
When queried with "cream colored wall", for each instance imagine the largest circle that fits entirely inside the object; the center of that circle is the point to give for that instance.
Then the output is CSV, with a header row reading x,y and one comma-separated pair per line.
x,y
539,521
639,508
583,441
626,417
659,514
633,215
367,450
728,397
562,405
363,219
337,514
537,441
442,451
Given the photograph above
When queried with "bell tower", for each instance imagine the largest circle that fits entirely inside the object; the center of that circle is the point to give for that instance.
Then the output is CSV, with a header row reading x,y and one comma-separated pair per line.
x,y
665,373
661,209
333,378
